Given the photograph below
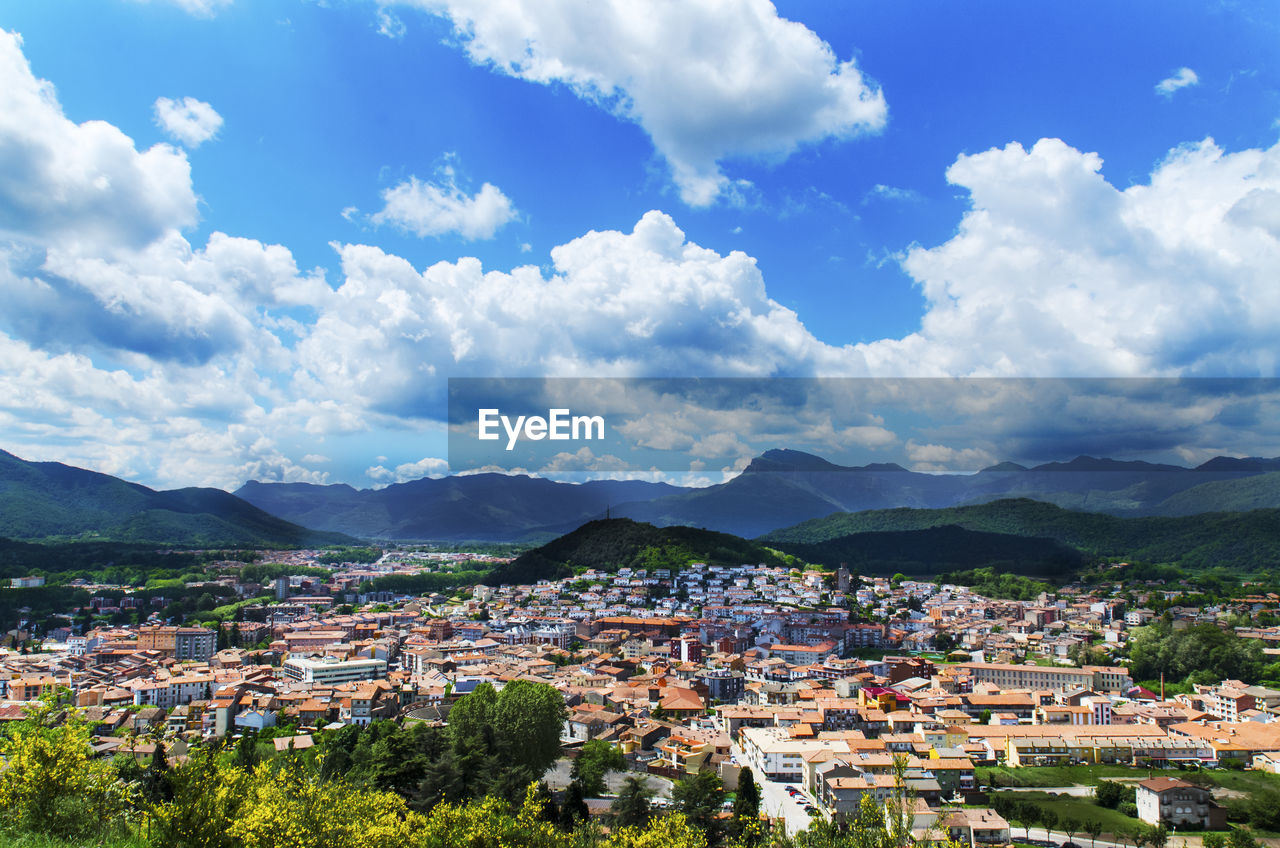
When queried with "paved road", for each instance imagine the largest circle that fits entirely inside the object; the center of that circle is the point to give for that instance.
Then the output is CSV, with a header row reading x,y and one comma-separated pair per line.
x,y
1078,790
1081,839
777,803
557,777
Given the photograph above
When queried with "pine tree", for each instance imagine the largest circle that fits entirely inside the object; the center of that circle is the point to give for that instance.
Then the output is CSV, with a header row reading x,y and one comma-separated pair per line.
x,y
632,808
746,803
574,808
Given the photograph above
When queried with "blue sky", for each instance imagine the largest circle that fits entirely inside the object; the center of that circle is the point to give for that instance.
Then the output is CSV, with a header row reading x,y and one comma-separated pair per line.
x,y
274,277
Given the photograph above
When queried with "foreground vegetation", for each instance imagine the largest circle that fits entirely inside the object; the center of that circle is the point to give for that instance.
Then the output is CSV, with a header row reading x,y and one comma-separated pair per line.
x,y
472,784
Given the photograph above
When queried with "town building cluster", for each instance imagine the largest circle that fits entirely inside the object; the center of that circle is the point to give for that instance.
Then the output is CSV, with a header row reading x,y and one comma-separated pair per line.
x,y
812,680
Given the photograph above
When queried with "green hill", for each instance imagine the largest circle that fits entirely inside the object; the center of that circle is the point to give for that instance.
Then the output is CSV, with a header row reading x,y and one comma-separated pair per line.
x,y
49,501
610,544
1241,541
935,550
1249,493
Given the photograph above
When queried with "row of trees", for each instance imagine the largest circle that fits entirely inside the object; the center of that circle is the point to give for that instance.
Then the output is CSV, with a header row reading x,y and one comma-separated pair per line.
x,y
1030,813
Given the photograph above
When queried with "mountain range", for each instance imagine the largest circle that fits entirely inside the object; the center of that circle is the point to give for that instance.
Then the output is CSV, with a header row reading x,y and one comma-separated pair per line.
x,y
782,488
778,489
52,501
479,507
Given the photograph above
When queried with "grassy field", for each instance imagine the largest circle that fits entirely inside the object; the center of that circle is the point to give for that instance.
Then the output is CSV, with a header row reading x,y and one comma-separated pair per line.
x,y
1050,776
1080,810
1059,775
1240,781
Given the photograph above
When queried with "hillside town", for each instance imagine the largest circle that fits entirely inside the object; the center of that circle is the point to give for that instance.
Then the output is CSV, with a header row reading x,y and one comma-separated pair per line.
x,y
827,686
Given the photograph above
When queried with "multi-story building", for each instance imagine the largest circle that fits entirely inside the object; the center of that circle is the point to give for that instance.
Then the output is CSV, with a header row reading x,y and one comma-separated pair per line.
x,y
1169,801
1012,676
330,671
723,684
1227,700
686,649
182,643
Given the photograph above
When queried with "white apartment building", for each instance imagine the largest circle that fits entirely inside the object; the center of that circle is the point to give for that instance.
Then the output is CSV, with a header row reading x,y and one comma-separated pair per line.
x,y
329,671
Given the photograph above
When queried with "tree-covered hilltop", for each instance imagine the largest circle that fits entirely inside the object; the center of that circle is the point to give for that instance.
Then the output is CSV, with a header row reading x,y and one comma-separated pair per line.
x,y
1240,541
610,544
929,551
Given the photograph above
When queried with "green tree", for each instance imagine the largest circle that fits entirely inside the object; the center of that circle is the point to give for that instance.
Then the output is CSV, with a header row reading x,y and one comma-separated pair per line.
x,y
1016,811
1263,809
1214,840
155,780
746,805
246,753
574,809
528,719
1093,827
1071,827
596,759
633,807
699,798
1241,837
1109,793
471,717
1159,836
1203,651
1048,820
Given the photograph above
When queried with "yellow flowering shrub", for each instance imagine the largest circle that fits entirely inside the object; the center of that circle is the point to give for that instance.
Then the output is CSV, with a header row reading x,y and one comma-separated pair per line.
x,y
49,782
672,831
208,798
289,808
490,824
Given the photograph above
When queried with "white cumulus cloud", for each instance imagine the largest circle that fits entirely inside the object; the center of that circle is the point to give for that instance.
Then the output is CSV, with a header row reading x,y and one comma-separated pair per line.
x,y
1056,272
707,80
189,121
441,207
1180,79
427,467
80,183
934,458
647,302
127,348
